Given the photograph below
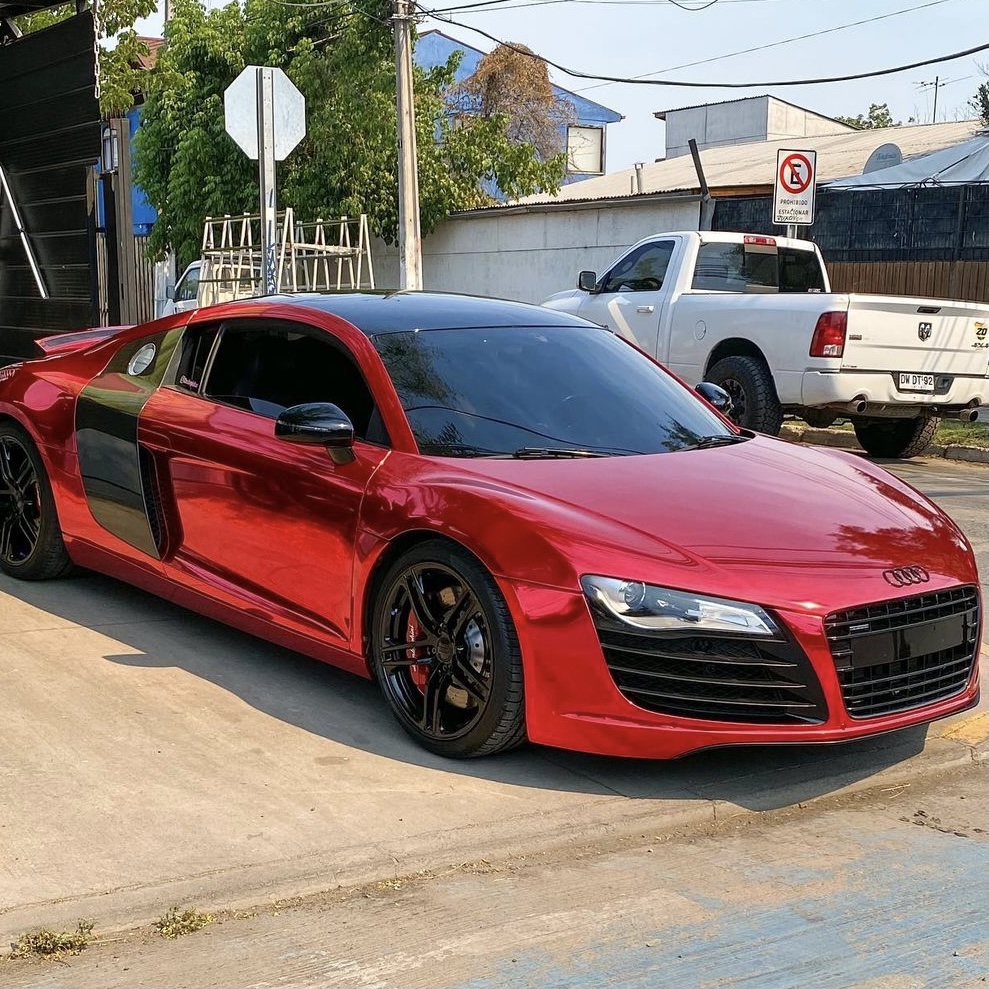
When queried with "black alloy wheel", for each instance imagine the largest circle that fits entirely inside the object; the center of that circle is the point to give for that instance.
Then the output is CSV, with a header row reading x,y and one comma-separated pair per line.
x,y
31,544
445,653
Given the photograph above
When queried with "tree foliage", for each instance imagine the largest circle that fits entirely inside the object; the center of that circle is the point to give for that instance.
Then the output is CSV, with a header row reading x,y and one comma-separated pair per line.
x,y
119,49
980,103
341,56
878,116
511,82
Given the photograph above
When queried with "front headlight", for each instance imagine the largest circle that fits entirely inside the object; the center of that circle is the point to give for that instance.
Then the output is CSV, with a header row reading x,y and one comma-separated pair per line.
x,y
662,609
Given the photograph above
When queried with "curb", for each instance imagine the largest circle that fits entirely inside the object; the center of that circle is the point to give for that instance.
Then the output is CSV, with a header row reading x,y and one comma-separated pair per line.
x,y
846,441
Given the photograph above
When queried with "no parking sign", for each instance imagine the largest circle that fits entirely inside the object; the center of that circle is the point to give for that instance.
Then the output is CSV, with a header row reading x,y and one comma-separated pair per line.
x,y
796,182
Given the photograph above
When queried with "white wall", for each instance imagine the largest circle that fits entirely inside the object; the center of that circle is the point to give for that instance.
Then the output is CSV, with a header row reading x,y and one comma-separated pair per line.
x,y
529,256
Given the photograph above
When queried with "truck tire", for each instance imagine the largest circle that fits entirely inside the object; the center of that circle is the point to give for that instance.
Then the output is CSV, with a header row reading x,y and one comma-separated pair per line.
x,y
896,438
753,393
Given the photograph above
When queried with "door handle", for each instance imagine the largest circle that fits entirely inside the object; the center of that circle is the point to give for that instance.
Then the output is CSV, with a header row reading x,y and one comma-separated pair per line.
x,y
645,308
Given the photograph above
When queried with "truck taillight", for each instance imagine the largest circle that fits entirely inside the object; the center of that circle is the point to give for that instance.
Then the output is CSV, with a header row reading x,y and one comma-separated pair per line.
x,y
760,241
829,335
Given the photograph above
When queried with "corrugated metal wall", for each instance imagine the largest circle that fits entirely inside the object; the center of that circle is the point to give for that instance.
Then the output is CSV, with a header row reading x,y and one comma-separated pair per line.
x,y
949,223
49,140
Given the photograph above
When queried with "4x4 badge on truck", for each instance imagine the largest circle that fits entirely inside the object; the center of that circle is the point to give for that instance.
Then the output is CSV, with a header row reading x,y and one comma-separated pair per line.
x,y
924,330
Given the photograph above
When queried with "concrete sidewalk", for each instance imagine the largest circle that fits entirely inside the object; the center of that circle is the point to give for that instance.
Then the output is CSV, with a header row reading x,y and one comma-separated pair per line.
x,y
153,758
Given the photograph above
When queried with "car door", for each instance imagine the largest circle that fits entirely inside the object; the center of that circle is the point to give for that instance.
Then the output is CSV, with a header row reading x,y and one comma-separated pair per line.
x,y
630,297
258,521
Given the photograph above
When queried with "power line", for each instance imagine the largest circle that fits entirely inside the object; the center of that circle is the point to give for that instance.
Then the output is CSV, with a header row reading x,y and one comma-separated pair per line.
x,y
788,41
640,81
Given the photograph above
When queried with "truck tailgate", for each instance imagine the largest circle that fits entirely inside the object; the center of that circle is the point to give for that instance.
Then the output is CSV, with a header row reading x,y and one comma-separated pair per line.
x,y
928,336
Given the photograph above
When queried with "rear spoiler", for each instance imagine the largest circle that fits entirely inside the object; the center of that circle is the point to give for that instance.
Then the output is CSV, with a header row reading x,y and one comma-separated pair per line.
x,y
64,343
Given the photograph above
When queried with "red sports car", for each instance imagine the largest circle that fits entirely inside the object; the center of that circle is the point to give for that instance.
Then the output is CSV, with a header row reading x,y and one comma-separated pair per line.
x,y
517,523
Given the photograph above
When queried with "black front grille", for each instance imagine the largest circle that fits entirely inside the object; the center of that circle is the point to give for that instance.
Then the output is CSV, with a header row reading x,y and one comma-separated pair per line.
x,y
717,678
903,654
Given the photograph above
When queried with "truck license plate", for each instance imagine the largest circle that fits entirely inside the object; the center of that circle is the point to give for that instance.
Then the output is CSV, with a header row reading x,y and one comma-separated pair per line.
x,y
916,382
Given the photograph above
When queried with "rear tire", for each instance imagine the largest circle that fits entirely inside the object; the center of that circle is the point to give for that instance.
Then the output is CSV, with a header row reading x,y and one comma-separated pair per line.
x,y
753,393
31,545
896,438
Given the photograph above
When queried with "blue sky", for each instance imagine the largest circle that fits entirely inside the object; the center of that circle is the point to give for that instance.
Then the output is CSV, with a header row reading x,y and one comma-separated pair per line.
x,y
635,37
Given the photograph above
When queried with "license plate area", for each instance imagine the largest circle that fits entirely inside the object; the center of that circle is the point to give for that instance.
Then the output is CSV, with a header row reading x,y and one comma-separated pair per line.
x,y
912,381
906,643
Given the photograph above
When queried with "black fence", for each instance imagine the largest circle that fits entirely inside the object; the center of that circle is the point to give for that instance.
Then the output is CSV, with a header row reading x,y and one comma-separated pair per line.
x,y
949,223
49,141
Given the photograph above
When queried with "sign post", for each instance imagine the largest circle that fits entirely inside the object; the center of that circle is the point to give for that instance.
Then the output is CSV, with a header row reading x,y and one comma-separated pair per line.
x,y
794,190
266,115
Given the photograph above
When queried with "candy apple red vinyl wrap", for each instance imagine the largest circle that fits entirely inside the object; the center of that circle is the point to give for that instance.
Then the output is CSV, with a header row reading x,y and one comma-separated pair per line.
x,y
802,533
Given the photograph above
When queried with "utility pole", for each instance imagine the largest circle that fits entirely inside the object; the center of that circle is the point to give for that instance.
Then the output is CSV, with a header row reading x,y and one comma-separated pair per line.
x,y
409,232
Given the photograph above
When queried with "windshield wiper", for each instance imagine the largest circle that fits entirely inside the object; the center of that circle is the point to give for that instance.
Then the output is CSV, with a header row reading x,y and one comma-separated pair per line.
x,y
719,439
540,452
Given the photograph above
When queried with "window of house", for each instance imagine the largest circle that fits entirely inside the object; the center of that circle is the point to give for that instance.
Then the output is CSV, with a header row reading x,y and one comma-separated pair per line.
x,y
266,367
641,271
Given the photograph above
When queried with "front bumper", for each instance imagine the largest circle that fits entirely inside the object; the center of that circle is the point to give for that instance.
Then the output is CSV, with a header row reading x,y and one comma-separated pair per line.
x,y
574,702
823,389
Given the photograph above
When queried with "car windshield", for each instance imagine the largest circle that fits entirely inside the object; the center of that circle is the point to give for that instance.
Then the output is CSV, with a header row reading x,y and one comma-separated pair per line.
x,y
539,391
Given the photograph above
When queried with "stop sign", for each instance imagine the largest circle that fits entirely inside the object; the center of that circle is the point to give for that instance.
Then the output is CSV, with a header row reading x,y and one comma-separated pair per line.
x,y
240,106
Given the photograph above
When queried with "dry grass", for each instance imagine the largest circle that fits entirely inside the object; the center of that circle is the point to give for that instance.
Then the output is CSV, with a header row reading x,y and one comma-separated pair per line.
x,y
51,944
175,924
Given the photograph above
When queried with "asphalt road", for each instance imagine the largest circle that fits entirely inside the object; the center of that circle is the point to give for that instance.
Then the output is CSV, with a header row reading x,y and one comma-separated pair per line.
x,y
151,757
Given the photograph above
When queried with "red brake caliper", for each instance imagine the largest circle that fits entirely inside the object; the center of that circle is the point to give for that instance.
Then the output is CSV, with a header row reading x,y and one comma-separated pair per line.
x,y
419,672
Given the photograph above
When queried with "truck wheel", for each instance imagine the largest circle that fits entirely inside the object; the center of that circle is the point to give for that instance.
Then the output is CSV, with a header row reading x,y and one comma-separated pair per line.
x,y
753,393
902,438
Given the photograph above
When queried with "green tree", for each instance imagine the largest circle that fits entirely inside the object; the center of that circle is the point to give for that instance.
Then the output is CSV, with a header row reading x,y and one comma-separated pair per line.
x,y
878,116
119,46
980,103
341,56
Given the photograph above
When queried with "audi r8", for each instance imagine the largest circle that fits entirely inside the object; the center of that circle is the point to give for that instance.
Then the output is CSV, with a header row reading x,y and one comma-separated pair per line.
x,y
516,522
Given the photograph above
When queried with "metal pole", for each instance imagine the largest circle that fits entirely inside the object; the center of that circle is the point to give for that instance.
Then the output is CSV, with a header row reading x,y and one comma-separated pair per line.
x,y
934,120
266,178
409,231
792,231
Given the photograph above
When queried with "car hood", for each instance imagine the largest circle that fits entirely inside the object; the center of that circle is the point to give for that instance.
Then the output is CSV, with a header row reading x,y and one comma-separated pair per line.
x,y
568,301
764,520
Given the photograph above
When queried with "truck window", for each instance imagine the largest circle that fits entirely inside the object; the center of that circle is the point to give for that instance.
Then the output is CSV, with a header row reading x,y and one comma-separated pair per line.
x,y
800,271
725,267
641,271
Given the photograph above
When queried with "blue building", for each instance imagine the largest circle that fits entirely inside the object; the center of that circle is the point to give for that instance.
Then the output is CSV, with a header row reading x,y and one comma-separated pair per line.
x,y
586,137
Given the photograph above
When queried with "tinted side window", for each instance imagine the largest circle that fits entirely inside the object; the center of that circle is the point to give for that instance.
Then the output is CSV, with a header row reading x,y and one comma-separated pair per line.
x,y
800,271
642,270
266,368
730,268
196,347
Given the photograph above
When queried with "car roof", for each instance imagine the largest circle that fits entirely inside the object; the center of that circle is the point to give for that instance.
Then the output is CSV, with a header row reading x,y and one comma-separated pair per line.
x,y
396,312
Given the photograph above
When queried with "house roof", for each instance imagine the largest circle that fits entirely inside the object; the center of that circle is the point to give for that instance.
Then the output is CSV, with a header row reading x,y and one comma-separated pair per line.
x,y
753,165
661,114
434,47
154,45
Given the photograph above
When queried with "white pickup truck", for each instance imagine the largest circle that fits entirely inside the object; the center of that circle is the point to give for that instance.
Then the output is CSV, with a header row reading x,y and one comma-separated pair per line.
x,y
756,316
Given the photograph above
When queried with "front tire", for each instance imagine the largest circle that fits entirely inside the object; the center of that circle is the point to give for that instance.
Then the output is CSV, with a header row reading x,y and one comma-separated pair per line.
x,y
444,651
896,438
753,393
31,545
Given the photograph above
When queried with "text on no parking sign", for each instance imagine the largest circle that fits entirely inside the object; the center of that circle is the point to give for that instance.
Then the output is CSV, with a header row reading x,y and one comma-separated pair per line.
x,y
796,181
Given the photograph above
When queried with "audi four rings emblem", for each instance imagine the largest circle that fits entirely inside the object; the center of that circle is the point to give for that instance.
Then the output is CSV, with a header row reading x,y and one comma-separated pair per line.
x,y
905,576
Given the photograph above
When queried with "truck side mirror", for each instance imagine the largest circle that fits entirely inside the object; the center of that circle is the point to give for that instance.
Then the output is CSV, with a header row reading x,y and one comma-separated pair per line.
x,y
587,281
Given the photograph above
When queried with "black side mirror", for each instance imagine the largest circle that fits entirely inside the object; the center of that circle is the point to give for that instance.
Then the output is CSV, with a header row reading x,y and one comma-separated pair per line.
x,y
587,281
716,395
318,423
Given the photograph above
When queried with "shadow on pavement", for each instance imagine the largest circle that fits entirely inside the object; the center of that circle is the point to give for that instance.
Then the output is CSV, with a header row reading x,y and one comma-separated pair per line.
x,y
348,710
